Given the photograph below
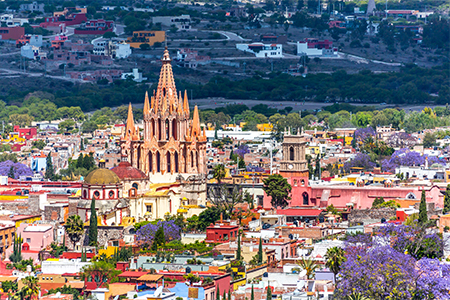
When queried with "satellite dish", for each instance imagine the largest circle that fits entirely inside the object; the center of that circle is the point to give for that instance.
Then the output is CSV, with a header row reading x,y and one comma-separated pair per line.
x,y
302,273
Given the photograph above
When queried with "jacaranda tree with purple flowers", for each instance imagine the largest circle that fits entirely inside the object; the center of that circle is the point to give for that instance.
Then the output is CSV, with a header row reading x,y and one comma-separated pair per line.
x,y
364,134
242,150
361,160
146,233
406,157
396,262
19,169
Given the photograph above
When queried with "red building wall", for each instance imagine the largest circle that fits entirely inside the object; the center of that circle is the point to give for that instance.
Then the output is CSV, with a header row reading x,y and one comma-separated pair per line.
x,y
11,33
26,133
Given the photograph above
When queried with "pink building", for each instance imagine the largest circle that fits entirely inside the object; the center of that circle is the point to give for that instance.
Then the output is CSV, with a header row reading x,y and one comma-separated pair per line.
x,y
357,197
35,236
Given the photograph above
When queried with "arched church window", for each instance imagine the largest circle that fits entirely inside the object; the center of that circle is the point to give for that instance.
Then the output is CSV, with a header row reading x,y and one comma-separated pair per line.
x,y
192,159
168,162
176,162
305,198
111,194
159,129
153,128
174,129
167,130
291,153
97,194
158,162
85,194
135,185
150,162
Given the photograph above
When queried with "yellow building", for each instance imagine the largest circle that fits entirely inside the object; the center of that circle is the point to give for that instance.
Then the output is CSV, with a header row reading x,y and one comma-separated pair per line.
x,y
14,137
264,127
146,37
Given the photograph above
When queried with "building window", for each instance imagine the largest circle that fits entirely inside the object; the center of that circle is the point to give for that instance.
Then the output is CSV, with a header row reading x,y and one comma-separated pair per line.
x,y
291,153
96,194
28,240
149,208
111,194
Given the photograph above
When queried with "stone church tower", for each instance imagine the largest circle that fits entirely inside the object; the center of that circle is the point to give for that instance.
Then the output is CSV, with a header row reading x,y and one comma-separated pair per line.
x,y
171,143
294,168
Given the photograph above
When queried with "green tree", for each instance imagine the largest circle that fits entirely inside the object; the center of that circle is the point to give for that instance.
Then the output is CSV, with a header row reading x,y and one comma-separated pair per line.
x,y
93,230
377,202
252,295
30,289
74,228
10,287
260,252
277,187
66,290
309,266
429,140
241,163
219,173
101,272
11,172
50,172
159,239
269,293
218,293
446,201
40,144
16,256
423,217
334,257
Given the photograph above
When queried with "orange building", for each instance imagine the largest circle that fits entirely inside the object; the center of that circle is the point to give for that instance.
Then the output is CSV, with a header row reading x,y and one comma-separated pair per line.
x,y
146,37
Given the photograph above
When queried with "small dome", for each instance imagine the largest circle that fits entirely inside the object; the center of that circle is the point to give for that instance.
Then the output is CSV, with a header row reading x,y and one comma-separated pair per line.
x,y
102,176
125,171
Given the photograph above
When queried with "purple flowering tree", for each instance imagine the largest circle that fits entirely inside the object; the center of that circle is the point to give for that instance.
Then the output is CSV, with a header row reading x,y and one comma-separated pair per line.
x,y
363,134
406,157
361,160
19,169
146,233
396,262
242,150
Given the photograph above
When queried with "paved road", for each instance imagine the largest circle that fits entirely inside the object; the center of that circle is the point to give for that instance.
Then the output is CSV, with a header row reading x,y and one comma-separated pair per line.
x,y
229,36
17,72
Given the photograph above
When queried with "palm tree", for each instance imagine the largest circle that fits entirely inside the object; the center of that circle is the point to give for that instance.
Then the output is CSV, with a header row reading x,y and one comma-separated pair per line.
x,y
309,266
334,257
357,296
219,173
74,228
31,288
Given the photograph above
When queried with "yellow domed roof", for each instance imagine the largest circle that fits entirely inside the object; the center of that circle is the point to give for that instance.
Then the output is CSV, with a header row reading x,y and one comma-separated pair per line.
x,y
102,176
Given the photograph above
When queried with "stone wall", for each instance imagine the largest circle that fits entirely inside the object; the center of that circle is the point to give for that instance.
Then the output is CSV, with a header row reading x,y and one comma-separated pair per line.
x,y
28,206
54,213
105,234
370,215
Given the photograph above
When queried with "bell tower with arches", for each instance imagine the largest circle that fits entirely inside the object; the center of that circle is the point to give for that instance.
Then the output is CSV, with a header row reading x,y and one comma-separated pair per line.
x,y
294,167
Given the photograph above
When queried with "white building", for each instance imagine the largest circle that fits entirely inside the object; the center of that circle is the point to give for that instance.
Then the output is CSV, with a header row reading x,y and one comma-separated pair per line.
x,y
262,50
32,52
62,266
115,48
312,47
11,21
136,76
182,22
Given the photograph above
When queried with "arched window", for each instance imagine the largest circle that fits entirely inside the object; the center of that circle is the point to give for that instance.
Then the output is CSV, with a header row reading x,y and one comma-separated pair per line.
x,y
150,161
158,162
168,162
192,159
305,198
111,194
291,153
153,128
176,162
96,194
174,129
85,194
167,130
135,185
159,129
164,92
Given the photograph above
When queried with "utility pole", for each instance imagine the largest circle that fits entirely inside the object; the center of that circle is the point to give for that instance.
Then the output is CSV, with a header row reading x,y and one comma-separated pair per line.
x,y
271,158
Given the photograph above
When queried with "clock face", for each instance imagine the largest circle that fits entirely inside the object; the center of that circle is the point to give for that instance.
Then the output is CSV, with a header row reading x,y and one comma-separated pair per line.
x,y
290,167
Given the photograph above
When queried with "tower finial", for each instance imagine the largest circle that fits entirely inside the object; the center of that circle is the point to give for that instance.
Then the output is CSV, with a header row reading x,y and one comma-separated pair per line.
x,y
146,104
